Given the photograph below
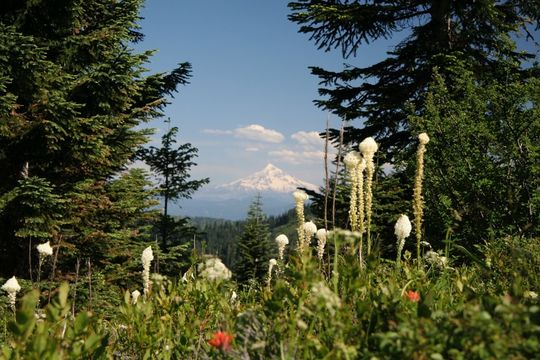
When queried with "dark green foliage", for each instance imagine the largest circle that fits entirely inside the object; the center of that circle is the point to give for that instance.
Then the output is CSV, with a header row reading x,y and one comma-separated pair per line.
x,y
254,248
480,31
220,238
72,93
482,172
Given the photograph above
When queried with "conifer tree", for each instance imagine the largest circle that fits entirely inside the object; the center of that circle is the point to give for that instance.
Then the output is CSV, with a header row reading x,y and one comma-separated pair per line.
x,y
254,248
72,93
172,165
481,33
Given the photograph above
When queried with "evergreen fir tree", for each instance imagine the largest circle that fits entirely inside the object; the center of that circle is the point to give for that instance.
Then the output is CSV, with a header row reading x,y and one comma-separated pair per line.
x,y
254,248
72,93
481,33
172,165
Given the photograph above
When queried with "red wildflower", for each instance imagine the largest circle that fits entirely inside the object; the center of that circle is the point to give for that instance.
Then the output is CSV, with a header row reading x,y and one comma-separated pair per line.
x,y
221,340
413,296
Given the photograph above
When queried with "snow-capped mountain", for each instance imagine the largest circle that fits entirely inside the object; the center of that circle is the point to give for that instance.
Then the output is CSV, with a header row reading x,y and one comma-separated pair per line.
x,y
232,200
270,178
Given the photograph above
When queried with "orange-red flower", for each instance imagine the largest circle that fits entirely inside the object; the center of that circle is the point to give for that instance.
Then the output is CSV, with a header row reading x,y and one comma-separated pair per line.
x,y
413,296
221,340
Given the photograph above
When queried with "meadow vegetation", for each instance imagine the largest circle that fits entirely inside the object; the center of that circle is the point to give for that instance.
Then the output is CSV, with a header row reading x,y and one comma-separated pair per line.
x,y
424,242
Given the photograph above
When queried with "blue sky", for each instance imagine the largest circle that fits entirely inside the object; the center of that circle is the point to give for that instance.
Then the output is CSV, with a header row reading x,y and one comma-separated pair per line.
x,y
250,100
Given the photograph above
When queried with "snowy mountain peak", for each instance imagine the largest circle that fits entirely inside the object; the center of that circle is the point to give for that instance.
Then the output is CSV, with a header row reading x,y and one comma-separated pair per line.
x,y
271,178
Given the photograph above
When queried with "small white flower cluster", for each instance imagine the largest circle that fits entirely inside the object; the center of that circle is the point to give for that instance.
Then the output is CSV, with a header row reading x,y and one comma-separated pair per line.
x,y
322,294
435,259
12,287
402,230
146,258
530,294
45,249
282,241
213,269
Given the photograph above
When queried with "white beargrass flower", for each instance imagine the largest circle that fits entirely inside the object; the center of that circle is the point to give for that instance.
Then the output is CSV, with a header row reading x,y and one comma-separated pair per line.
x,y
403,227
45,249
402,230
146,258
271,264
300,197
321,242
310,229
12,287
423,138
213,269
352,159
418,201
135,296
368,147
282,241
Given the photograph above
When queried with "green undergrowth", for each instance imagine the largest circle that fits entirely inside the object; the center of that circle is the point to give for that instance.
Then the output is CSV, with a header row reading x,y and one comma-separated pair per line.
x,y
338,309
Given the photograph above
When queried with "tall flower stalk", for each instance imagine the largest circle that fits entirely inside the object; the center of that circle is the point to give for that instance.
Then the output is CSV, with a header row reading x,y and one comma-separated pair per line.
x,y
418,202
271,264
351,161
300,197
368,148
402,230
281,241
146,258
361,205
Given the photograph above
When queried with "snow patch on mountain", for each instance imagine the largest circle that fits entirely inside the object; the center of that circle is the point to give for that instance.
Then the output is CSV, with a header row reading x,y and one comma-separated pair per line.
x,y
270,179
